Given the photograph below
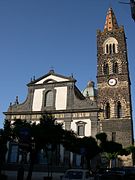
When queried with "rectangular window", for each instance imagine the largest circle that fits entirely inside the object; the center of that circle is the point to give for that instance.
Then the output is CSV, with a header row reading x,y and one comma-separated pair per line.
x,y
80,130
114,136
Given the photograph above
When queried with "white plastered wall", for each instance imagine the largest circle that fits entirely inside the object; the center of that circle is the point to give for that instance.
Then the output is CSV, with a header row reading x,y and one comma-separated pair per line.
x,y
60,101
61,98
37,100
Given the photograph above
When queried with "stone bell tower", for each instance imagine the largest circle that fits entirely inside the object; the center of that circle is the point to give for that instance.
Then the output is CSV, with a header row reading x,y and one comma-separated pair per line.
x,y
113,82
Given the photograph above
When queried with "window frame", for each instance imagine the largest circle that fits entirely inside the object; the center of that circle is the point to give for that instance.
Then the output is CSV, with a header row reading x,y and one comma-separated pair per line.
x,y
48,100
119,110
114,136
110,46
115,68
107,111
80,124
52,105
106,69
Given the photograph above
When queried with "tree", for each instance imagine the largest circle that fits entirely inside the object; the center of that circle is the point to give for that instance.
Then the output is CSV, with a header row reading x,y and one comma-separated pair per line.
x,y
47,135
69,141
48,131
102,137
87,146
111,148
4,137
33,137
2,149
91,149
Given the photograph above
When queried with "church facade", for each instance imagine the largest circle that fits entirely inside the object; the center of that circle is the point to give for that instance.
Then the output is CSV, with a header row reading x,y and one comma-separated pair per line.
x,y
105,109
57,95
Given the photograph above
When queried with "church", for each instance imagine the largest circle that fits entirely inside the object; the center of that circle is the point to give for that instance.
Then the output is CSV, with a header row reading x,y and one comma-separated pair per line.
x,y
105,109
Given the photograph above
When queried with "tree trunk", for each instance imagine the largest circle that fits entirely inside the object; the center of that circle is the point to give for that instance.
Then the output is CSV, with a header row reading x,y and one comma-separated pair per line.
x,y
32,161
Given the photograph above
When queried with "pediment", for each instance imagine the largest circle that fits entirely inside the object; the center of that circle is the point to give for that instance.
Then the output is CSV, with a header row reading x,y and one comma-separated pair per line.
x,y
51,77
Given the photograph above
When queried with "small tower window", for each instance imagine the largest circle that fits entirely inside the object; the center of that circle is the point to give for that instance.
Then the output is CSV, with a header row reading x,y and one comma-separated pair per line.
x,y
119,110
115,67
114,136
114,48
106,69
110,48
49,99
107,49
107,111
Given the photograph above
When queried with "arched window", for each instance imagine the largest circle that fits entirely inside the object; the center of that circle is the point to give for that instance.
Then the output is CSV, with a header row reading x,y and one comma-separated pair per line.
x,y
107,111
107,49
106,69
115,67
49,98
110,48
119,110
113,48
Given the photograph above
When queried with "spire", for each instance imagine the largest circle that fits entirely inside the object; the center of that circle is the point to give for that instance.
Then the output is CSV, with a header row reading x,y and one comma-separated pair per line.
x,y
111,22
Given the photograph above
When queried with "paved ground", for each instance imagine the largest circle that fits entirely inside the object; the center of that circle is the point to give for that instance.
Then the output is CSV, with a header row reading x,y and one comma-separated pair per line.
x,y
12,175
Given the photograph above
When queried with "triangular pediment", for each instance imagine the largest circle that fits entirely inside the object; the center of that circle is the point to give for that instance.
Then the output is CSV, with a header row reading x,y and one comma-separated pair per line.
x,y
51,77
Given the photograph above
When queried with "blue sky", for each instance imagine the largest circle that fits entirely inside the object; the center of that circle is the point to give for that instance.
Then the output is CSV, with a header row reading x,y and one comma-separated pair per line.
x,y
36,35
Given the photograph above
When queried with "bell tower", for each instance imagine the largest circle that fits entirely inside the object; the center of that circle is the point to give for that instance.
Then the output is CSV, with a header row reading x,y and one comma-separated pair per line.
x,y
113,82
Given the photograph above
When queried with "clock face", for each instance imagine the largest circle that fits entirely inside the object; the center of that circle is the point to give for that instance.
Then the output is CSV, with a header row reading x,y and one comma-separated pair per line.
x,y
112,82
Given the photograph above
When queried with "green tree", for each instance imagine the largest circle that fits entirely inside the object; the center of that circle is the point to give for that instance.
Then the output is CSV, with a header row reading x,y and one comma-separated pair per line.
x,y
87,146
5,135
69,141
110,148
47,132
91,149
102,137
33,137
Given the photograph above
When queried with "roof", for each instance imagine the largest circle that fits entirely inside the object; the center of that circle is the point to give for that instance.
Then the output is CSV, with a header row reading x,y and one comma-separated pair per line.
x,y
111,21
51,77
